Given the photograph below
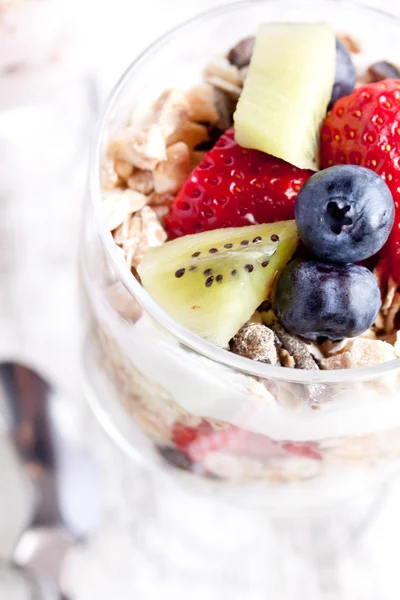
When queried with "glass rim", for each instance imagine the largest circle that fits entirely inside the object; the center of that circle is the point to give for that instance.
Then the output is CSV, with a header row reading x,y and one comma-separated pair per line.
x,y
181,333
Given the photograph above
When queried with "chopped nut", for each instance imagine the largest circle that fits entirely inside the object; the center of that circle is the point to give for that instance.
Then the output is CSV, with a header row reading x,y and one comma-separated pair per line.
x,y
383,70
138,233
119,204
123,168
240,55
192,134
295,347
141,181
256,342
143,148
170,175
225,106
196,158
285,359
170,111
160,199
201,103
351,44
360,352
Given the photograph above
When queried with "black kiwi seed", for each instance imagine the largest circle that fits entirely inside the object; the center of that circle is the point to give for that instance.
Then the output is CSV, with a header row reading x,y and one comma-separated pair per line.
x,y
265,263
209,281
179,273
257,239
207,272
193,268
274,238
219,278
196,254
249,268
228,246
244,242
213,250
234,272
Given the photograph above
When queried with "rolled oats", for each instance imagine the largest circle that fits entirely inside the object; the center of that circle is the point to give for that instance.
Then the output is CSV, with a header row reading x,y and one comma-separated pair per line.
x,y
351,44
221,74
143,148
192,134
161,211
170,175
109,178
138,233
123,168
170,111
201,103
119,204
230,88
141,181
360,352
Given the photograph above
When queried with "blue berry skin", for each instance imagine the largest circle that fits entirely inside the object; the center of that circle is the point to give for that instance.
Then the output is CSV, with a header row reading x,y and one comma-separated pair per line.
x,y
344,213
314,299
345,75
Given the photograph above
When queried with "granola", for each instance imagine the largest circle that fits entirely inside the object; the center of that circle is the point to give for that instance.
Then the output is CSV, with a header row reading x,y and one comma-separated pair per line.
x,y
145,166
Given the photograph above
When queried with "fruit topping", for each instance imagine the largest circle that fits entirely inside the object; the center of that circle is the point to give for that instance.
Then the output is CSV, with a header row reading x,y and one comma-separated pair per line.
x,y
287,91
345,75
234,187
317,300
257,342
363,129
213,282
383,70
344,213
205,439
240,55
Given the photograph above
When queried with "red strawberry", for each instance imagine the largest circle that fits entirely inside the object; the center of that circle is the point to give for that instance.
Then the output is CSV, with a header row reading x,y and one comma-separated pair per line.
x,y
233,187
364,129
199,441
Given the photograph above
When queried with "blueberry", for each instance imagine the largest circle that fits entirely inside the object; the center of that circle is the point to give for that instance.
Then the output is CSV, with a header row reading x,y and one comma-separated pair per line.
x,y
345,75
344,213
314,299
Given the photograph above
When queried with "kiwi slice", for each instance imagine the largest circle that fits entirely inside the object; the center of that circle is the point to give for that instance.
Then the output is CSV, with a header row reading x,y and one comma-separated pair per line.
x,y
287,91
212,282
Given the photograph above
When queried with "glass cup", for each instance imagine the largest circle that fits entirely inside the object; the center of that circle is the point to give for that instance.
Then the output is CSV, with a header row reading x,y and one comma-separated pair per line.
x,y
308,440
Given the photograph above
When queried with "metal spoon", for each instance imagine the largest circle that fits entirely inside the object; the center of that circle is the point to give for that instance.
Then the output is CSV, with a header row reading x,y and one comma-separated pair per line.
x,y
68,496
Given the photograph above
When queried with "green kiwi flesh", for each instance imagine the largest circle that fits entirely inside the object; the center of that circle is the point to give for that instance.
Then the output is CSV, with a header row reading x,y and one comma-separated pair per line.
x,y
212,282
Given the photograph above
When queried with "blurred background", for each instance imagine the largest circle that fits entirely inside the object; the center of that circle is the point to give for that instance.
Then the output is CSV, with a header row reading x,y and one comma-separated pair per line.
x,y
58,61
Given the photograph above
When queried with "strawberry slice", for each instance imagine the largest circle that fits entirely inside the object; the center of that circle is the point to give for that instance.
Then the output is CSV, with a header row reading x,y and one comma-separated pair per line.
x,y
364,129
234,187
198,442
